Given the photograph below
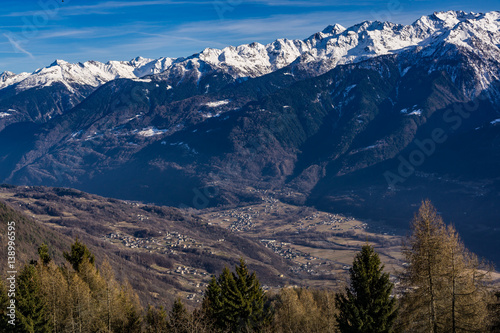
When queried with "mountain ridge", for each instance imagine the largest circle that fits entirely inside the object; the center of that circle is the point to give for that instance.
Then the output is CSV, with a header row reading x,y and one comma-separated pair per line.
x,y
238,61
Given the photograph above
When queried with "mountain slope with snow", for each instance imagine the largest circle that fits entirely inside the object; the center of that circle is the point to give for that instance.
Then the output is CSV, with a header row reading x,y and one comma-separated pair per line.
x,y
90,73
321,52
336,45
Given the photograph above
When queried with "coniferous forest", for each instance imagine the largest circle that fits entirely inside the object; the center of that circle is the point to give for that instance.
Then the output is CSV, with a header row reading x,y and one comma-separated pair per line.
x,y
443,288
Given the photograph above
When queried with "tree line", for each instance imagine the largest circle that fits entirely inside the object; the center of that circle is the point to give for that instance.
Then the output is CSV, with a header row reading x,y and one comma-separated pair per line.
x,y
442,288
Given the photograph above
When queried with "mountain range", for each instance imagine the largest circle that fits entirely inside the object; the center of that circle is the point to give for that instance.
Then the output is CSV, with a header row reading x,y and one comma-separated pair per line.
x,y
367,120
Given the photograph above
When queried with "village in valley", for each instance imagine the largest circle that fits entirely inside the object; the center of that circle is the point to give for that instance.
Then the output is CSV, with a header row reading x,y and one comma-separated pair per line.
x,y
320,245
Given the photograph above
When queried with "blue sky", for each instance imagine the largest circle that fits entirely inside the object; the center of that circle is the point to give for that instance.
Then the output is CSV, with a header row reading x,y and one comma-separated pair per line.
x,y
35,33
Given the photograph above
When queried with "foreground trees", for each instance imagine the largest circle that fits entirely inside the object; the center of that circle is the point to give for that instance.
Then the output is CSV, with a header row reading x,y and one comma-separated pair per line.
x,y
235,301
445,286
367,305
443,290
51,298
303,310
31,311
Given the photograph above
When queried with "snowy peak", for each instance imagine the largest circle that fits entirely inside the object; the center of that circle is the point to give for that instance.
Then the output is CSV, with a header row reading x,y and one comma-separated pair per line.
x,y
8,78
58,62
333,29
90,73
334,45
6,75
451,18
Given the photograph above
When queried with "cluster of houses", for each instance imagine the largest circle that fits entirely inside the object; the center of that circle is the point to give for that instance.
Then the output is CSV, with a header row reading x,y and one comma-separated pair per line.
x,y
282,248
185,270
168,243
243,216
304,268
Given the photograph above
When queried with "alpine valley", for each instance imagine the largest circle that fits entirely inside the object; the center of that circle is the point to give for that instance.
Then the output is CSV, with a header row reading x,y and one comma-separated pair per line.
x,y
365,121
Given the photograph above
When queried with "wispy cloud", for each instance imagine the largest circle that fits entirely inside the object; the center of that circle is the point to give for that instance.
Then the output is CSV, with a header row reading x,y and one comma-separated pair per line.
x,y
17,45
73,33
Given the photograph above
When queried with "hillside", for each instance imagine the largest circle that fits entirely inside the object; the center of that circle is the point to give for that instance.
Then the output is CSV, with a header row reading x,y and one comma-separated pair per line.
x,y
166,252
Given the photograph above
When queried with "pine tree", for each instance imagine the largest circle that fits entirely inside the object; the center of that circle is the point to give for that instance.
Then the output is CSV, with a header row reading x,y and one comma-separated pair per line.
x,y
366,305
235,301
156,320
31,312
79,253
244,299
43,251
212,301
179,318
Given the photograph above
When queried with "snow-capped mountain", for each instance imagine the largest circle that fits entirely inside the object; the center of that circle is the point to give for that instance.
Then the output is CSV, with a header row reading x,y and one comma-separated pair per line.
x,y
55,89
90,73
336,45
476,33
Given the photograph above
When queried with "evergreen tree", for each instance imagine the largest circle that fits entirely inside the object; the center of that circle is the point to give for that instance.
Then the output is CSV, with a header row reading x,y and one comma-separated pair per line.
x,y
367,305
156,320
31,312
43,251
79,253
235,301
179,318
212,301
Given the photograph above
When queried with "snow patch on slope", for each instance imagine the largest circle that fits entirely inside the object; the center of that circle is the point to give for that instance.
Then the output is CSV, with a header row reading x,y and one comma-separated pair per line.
x,y
151,131
216,103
